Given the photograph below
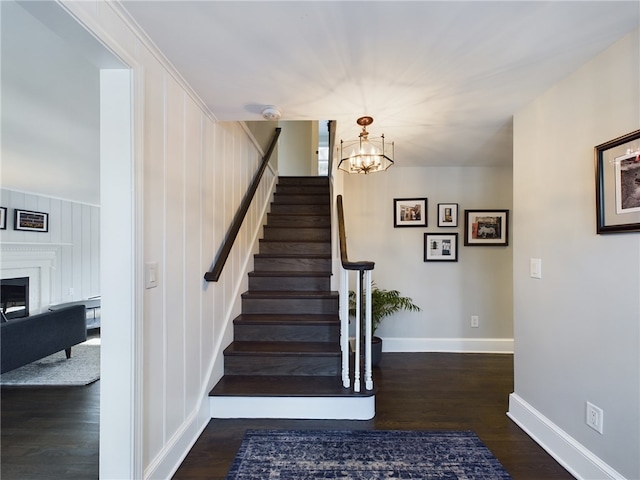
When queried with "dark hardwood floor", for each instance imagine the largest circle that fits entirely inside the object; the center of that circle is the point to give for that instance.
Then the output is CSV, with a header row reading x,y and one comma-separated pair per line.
x,y
51,433
416,391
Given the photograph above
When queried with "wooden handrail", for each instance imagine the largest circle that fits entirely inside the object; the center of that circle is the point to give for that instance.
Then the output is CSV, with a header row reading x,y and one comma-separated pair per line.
x,y
225,249
346,264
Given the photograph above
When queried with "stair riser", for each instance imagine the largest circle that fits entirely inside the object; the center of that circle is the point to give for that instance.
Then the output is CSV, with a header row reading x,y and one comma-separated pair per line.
x,y
297,234
323,248
300,198
302,306
316,181
279,264
302,189
287,365
303,209
277,220
295,284
286,333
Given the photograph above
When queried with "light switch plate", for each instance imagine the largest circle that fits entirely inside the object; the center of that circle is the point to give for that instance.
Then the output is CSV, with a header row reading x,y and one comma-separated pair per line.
x,y
535,268
150,275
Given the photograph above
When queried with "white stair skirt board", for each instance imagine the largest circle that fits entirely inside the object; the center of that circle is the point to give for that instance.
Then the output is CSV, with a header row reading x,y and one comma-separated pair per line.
x,y
568,452
301,408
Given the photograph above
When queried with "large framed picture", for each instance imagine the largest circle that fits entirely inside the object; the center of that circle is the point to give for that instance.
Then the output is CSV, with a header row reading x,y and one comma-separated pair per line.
x,y
486,227
618,184
3,218
31,221
410,212
447,214
440,247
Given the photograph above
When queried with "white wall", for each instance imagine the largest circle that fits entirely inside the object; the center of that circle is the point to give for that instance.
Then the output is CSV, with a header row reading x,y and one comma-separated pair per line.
x,y
74,237
191,174
577,330
480,283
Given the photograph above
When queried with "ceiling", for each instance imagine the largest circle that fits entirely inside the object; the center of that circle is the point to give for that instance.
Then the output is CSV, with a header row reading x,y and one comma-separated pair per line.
x,y
441,79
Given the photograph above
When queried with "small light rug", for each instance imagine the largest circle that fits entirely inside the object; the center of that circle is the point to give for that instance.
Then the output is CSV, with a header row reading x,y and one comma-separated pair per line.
x,y
364,454
82,368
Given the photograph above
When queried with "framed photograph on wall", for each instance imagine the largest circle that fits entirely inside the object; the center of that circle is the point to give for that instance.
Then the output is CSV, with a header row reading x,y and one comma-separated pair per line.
x,y
618,184
447,214
31,221
410,212
486,227
3,218
440,247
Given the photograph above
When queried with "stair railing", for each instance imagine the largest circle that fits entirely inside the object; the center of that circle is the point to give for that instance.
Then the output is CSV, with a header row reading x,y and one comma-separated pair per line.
x,y
214,274
363,296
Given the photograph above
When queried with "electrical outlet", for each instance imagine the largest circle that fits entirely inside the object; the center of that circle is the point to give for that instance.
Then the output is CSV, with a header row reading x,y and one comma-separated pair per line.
x,y
595,417
475,321
72,291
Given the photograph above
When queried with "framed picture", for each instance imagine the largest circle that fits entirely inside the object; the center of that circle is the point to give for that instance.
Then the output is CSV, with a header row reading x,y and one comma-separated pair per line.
x,y
618,184
31,221
440,247
486,227
447,214
3,218
410,212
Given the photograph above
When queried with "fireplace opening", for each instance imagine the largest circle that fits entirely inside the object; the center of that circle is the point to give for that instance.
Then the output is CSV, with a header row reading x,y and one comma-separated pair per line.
x,y
14,297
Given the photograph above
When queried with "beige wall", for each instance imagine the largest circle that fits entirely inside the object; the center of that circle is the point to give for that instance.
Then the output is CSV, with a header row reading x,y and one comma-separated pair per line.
x,y
480,283
577,330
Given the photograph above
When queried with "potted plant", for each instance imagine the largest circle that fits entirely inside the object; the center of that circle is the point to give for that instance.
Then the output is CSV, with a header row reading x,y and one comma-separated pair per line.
x,y
383,304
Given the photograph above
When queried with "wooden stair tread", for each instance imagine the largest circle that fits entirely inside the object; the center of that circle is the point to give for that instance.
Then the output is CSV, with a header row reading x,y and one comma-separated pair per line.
x,y
292,255
286,319
298,349
285,273
284,386
287,294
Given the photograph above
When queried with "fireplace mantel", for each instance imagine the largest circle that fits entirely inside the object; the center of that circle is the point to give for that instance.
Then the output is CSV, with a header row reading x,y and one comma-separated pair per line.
x,y
36,261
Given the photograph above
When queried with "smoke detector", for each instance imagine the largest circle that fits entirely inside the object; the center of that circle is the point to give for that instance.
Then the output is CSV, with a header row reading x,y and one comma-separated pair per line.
x,y
271,113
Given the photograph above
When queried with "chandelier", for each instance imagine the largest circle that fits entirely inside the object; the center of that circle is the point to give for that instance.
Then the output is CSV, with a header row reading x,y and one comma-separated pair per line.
x,y
365,155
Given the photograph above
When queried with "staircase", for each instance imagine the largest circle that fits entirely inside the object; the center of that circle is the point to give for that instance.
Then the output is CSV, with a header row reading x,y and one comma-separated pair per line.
x,y
285,360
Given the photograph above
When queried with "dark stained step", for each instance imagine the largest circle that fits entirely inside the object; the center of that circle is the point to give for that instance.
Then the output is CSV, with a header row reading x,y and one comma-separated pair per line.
x,y
303,189
301,198
282,358
286,328
294,180
297,233
295,247
304,208
290,281
289,220
270,302
274,262
283,386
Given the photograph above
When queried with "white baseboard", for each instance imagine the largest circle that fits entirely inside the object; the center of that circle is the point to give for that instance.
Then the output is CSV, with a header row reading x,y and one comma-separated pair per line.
x,y
175,450
452,345
567,451
323,408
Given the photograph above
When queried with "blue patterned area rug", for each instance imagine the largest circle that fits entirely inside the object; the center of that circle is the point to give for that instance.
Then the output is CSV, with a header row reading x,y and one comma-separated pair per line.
x,y
364,454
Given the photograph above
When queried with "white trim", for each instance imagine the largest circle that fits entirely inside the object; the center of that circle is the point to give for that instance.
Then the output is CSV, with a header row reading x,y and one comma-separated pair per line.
x,y
568,452
310,408
175,450
452,345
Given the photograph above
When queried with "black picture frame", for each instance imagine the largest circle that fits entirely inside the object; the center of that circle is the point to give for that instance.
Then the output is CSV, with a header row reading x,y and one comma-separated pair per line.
x,y
617,165
29,221
3,218
447,214
410,212
486,228
440,247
